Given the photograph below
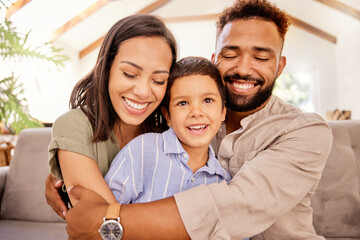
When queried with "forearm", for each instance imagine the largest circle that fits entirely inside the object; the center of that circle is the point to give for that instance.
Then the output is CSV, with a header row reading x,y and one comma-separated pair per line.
x,y
155,220
158,220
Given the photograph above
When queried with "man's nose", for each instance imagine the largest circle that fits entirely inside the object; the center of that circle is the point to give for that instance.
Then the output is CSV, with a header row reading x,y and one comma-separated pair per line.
x,y
244,66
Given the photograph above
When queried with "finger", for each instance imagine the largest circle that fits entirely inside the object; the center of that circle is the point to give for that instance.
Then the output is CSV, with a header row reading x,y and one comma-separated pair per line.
x,y
58,183
53,197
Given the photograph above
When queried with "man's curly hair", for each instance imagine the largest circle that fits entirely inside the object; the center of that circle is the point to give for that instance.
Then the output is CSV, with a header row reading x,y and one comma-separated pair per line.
x,y
254,9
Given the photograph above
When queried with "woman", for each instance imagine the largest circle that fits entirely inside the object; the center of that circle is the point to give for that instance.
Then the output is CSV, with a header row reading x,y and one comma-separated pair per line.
x,y
116,102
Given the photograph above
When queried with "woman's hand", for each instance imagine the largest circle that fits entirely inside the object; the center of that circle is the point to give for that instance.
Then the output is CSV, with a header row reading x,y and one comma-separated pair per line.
x,y
53,197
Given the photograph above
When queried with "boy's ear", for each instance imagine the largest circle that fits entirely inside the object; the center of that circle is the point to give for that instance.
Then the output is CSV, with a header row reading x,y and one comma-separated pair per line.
x,y
223,114
166,114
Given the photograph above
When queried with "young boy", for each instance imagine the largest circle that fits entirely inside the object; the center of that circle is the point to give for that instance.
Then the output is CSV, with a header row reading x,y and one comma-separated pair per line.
x,y
158,165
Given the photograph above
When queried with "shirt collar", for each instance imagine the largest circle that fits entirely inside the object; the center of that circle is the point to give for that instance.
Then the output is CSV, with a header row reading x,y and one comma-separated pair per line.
x,y
264,112
172,145
171,142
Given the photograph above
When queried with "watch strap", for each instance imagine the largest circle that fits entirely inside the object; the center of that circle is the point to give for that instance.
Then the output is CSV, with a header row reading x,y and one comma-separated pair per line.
x,y
113,211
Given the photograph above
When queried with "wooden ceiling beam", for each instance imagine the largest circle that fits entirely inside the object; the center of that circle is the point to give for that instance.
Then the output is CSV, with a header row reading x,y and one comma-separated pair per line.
x,y
205,17
146,10
78,18
353,12
16,7
313,30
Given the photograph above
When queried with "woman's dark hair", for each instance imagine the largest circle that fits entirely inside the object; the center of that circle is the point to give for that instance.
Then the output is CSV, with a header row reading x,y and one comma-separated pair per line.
x,y
194,66
91,93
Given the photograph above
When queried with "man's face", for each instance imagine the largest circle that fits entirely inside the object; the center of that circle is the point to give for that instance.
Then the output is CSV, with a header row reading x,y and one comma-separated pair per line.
x,y
248,58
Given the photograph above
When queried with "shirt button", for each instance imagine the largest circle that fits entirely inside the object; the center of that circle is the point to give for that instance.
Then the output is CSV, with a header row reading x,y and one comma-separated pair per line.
x,y
223,163
185,155
193,179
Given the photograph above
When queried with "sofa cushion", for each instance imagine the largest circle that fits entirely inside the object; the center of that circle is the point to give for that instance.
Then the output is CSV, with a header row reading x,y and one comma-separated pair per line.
x,y
336,203
15,230
24,195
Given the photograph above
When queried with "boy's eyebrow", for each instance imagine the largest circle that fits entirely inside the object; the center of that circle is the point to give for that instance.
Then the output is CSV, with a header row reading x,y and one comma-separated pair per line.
x,y
140,68
202,95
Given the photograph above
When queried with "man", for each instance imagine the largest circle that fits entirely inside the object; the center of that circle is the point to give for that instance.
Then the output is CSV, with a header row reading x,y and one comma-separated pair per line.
x,y
275,152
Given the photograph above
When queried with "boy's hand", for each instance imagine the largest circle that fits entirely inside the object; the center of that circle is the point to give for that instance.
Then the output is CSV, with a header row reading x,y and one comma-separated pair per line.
x,y
53,197
85,218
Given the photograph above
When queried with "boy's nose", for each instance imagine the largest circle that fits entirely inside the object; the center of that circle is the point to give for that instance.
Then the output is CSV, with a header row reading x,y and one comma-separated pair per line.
x,y
196,110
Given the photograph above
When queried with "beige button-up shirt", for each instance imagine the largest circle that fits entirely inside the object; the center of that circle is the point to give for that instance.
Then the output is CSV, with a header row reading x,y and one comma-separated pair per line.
x,y
276,159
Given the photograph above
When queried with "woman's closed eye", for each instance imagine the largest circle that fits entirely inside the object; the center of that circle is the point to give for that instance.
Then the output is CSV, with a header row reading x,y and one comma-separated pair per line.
x,y
128,75
159,82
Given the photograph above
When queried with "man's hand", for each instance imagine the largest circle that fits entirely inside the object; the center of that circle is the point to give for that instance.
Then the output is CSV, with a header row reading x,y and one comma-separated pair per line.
x,y
53,197
85,218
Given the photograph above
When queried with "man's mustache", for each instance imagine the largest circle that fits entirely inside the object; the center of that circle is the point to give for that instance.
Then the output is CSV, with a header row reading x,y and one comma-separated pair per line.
x,y
232,77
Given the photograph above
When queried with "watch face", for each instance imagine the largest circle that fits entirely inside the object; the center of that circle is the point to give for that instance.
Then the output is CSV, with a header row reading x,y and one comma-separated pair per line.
x,y
111,230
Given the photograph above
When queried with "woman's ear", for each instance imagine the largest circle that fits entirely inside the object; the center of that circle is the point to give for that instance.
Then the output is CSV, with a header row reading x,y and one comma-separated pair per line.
x,y
166,114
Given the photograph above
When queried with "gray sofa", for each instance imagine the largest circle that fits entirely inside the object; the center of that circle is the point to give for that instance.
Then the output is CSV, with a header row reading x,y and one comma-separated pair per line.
x,y
26,215
24,211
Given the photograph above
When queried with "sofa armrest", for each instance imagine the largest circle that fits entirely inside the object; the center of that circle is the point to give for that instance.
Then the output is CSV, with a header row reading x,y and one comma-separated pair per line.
x,y
3,174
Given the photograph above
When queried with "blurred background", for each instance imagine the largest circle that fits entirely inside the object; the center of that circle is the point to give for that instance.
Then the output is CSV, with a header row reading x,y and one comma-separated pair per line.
x,y
322,46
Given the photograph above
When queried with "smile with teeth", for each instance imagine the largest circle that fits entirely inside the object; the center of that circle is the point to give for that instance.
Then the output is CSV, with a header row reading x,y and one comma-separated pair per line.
x,y
197,127
136,106
243,85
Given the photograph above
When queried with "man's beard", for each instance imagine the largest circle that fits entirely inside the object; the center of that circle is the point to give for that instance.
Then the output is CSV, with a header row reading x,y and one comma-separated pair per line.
x,y
241,103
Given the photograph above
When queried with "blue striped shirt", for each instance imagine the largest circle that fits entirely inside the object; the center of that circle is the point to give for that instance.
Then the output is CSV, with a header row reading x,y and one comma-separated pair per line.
x,y
154,166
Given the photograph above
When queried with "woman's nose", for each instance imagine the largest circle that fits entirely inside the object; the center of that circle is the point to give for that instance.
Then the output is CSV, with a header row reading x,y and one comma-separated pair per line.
x,y
142,88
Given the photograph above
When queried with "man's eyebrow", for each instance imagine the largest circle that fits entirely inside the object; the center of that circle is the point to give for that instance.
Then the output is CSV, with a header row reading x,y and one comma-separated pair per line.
x,y
230,48
140,68
263,49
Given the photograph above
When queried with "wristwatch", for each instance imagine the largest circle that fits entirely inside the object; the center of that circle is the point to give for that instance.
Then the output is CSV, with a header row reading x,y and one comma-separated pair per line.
x,y
111,228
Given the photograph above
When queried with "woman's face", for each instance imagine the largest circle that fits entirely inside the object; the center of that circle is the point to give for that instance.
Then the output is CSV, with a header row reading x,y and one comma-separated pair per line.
x,y
138,78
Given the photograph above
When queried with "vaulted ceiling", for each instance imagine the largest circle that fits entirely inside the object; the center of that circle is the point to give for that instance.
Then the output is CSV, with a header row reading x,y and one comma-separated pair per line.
x,y
81,24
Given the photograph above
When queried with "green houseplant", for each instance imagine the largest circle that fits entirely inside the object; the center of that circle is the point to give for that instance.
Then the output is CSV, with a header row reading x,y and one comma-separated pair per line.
x,y
15,47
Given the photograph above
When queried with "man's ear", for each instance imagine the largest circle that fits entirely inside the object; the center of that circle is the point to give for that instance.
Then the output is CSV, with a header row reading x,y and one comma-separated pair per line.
x,y
213,58
282,64
166,114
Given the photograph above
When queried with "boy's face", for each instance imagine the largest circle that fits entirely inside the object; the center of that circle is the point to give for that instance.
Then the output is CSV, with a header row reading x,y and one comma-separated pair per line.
x,y
195,110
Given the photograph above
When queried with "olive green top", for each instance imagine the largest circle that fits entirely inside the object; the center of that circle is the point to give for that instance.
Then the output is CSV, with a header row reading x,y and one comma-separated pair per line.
x,y
72,131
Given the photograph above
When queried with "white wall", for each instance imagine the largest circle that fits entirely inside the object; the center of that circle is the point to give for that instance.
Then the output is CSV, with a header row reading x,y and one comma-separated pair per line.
x,y
314,58
348,64
48,92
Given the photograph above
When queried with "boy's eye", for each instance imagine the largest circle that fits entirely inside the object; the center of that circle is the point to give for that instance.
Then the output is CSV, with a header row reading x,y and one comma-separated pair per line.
x,y
182,103
128,75
208,100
